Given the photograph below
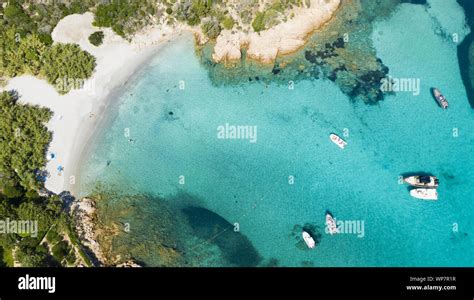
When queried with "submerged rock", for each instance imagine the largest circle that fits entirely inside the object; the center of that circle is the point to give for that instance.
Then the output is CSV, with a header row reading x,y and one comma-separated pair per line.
x,y
341,51
235,247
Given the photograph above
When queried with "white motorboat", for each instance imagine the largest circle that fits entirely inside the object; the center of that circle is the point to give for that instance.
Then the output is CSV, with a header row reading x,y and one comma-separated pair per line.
x,y
422,181
308,239
424,194
331,226
337,140
440,98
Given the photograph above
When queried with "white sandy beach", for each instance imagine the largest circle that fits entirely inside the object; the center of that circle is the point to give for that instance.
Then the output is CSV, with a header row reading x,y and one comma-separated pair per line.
x,y
76,114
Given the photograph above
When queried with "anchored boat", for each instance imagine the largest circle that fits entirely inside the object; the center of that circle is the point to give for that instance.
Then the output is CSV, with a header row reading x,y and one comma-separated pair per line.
x,y
440,98
338,140
308,239
331,224
424,194
422,181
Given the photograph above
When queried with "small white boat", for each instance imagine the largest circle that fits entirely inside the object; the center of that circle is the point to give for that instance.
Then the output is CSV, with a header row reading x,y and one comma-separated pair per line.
x,y
440,98
331,224
308,239
422,181
338,140
424,194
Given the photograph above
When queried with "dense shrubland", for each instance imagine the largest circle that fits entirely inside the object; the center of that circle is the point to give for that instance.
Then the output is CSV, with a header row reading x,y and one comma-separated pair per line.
x,y
24,140
24,49
127,17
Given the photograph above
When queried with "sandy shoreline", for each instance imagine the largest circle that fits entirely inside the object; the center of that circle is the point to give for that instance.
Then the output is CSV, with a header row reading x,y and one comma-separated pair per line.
x,y
78,114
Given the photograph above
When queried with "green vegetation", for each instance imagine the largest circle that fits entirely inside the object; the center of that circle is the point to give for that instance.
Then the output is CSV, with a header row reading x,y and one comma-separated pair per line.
x,y
31,56
125,17
6,259
20,55
40,17
258,23
96,38
77,69
76,243
228,23
271,18
46,14
211,28
268,18
25,47
53,237
70,257
192,11
24,139
15,17
60,250
28,250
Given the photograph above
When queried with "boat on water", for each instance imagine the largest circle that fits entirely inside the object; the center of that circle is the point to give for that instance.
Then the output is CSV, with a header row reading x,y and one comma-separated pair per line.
x,y
308,239
337,140
422,181
331,224
424,194
440,98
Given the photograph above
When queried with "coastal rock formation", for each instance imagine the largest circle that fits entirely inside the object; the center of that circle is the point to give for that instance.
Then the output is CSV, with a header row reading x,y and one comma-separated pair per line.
x,y
341,51
283,38
83,213
129,264
96,236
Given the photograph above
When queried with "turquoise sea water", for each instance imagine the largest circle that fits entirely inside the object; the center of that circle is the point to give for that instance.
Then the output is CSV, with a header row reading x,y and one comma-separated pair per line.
x,y
173,133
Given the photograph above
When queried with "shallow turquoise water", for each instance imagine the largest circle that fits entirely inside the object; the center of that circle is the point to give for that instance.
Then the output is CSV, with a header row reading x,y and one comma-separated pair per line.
x,y
247,182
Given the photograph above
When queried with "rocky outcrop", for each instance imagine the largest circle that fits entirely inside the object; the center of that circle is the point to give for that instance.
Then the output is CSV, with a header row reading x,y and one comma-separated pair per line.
x,y
83,213
96,237
283,38
129,264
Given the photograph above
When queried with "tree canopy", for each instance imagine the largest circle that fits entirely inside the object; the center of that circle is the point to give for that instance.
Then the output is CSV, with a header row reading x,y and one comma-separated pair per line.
x,y
24,139
24,49
96,38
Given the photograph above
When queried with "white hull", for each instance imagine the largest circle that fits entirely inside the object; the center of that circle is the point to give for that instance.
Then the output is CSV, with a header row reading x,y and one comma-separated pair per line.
x,y
338,140
440,98
308,240
415,181
424,194
331,224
